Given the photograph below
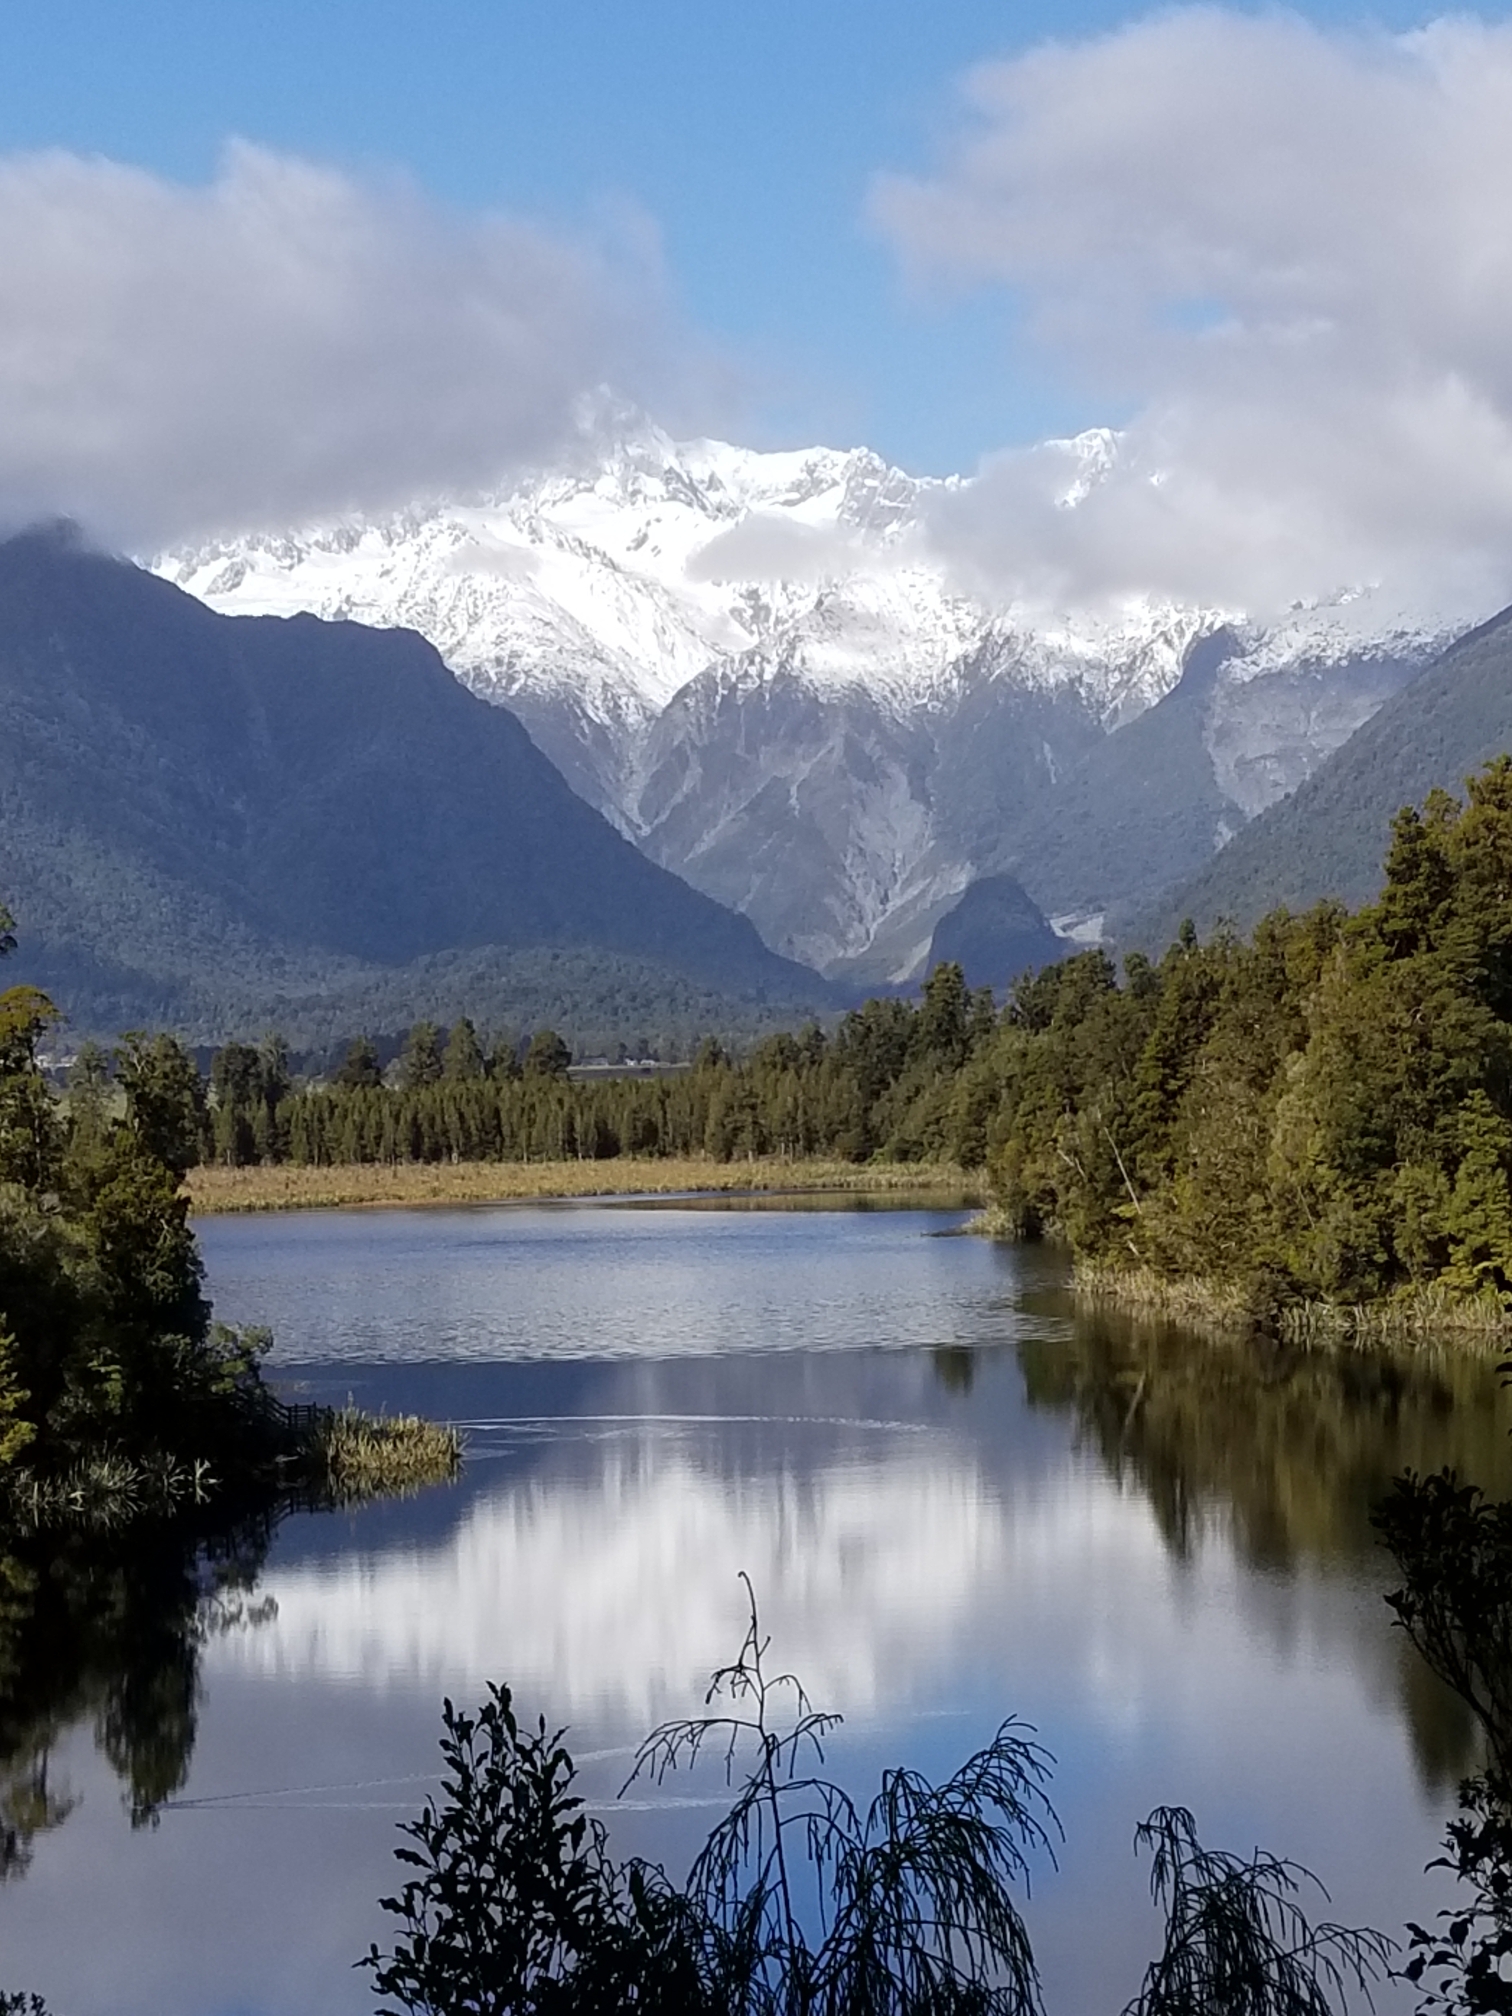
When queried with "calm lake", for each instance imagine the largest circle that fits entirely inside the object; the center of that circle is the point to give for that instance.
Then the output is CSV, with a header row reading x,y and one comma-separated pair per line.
x,y
957,1499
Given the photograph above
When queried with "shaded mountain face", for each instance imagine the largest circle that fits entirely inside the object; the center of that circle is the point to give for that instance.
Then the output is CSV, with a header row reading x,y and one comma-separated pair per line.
x,y
1329,837
760,668
191,803
1152,803
843,830
995,934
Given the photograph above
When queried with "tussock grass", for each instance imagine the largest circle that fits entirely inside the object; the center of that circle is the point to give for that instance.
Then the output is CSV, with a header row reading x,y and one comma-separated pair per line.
x,y
1414,1315
353,1455
992,1223
286,1188
1419,1315
1219,1305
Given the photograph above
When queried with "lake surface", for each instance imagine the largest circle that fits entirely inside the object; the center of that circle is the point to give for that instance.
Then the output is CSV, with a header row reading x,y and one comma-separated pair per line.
x,y
957,1498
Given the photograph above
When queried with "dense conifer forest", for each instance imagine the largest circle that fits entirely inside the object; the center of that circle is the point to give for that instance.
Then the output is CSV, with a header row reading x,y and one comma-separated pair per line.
x,y
1321,1111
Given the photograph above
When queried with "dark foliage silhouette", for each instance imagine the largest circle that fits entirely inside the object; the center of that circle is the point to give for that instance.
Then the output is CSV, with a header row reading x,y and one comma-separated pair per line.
x,y
802,1902
1237,1940
1454,1547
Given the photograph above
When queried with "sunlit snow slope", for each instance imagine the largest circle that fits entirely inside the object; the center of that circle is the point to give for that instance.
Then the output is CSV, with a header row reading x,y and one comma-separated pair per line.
x,y
758,667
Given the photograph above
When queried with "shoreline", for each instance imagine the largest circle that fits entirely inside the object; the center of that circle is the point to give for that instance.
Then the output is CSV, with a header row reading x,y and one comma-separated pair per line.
x,y
1222,1307
214,1191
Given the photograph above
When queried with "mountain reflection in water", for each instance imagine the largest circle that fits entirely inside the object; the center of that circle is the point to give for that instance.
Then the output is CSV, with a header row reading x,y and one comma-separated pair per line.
x,y
1155,1547
602,1567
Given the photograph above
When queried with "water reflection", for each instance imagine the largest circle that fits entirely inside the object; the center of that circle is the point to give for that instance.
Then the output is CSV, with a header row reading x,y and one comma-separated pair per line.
x,y
1281,1452
597,1563
1288,1447
594,1556
98,1630
971,1501
604,1581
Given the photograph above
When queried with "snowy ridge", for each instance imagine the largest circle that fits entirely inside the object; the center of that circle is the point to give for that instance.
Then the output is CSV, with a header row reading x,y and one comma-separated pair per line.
x,y
635,573
756,664
631,576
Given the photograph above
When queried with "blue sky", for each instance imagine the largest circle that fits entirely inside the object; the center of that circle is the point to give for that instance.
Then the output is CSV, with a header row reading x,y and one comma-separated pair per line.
x,y
747,136
262,264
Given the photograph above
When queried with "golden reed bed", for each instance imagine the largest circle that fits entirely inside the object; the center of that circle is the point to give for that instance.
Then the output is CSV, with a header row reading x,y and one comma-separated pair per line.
x,y
214,1189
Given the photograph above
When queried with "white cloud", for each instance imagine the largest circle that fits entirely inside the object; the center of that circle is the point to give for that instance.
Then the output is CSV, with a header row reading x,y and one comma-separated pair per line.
x,y
1285,250
286,341
620,1591
764,547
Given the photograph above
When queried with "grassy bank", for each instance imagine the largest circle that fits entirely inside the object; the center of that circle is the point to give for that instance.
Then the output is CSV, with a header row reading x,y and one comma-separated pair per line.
x,y
1405,1317
288,1188
1204,1304
1415,1315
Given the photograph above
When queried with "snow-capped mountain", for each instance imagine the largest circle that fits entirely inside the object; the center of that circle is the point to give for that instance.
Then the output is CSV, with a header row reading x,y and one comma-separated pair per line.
x,y
759,667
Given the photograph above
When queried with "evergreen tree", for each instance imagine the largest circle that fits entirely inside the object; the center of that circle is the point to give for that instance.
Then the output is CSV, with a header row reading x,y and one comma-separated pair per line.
x,y
941,1030
462,1062
420,1063
504,1062
89,1118
548,1056
165,1099
359,1070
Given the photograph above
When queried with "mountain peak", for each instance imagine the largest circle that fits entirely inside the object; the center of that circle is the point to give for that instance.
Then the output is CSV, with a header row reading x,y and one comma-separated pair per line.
x,y
722,647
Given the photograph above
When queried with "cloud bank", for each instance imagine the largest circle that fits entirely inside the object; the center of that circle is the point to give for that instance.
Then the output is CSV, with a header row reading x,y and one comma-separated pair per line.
x,y
1284,252
764,547
285,342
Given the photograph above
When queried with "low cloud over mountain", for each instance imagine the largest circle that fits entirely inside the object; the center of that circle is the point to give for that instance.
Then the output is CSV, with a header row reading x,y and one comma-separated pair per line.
x,y
286,340
1270,255
1281,251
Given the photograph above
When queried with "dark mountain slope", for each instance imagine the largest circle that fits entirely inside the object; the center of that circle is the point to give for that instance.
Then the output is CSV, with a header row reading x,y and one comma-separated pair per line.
x,y
1144,807
195,806
994,934
1329,838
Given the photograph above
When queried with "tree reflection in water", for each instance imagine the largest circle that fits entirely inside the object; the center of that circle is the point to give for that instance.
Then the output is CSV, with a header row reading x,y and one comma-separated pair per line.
x,y
107,1628
1288,1449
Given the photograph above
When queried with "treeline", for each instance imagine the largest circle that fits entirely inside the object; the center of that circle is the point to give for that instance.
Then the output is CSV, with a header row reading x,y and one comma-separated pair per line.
x,y
1321,1111
890,1081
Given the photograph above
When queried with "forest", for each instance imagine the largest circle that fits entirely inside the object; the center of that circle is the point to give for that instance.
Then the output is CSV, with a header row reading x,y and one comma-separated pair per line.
x,y
1320,1112
107,1350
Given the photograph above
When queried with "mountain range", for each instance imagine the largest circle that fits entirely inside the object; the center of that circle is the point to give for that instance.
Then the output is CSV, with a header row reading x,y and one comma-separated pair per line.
x,y
1329,837
218,824
762,670
750,684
